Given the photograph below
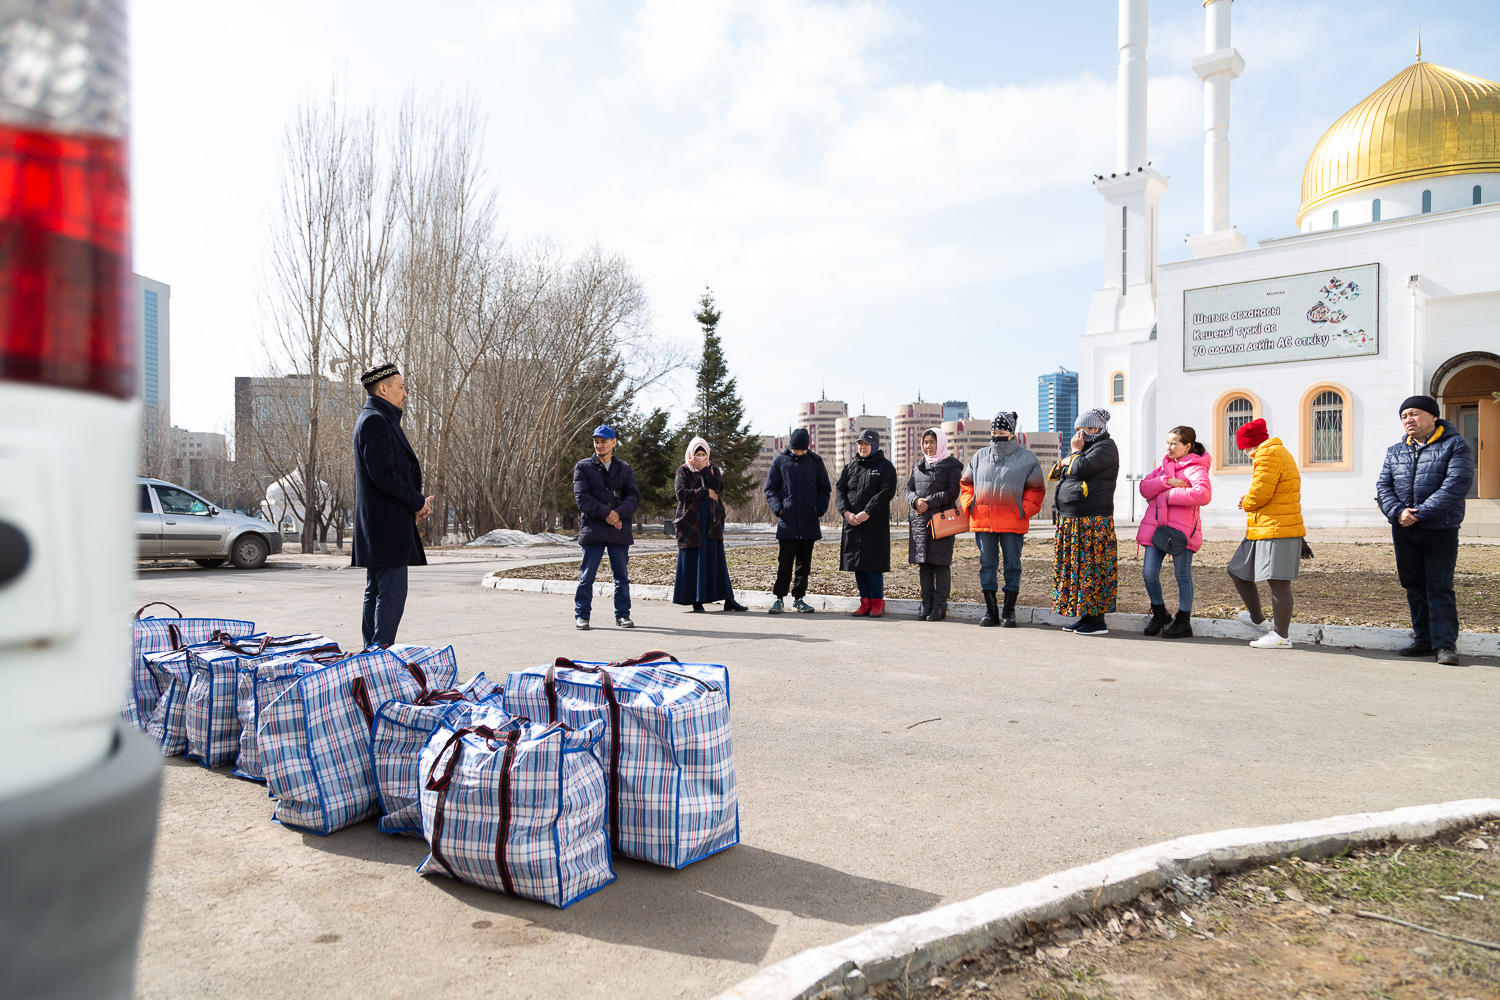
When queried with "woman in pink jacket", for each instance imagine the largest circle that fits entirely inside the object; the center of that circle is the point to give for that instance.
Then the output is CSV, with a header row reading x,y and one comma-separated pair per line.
x,y
1175,493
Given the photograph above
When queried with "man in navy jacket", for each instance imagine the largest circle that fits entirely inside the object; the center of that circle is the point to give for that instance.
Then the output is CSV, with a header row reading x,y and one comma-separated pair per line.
x,y
1421,491
388,503
797,491
607,497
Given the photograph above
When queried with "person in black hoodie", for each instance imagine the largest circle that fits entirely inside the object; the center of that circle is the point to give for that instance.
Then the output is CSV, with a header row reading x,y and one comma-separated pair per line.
x,y
797,491
1085,574
863,496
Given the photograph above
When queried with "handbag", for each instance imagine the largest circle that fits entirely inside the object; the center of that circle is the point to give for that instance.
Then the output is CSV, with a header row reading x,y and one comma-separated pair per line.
x,y
1172,541
945,523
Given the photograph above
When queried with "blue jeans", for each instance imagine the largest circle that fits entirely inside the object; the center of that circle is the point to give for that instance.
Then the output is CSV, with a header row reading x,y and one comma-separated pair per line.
x,y
871,585
385,600
1182,568
993,545
593,555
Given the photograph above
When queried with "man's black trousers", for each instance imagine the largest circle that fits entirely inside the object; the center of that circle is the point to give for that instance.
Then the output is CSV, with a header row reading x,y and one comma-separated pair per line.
x,y
385,600
1425,559
798,550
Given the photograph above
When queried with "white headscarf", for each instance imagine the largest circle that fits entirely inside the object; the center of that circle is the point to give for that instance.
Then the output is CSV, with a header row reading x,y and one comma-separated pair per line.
x,y
942,442
692,448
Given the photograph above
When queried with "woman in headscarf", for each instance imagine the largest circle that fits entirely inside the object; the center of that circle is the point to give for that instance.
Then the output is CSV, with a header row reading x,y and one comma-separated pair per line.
x,y
702,574
1086,571
863,498
932,487
1272,549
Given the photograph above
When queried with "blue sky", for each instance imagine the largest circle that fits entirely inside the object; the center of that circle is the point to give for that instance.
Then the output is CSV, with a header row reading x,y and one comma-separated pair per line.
x,y
859,182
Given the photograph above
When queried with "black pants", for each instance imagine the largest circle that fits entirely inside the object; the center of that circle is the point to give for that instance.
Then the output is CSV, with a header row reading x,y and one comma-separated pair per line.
x,y
936,582
1425,558
385,600
800,551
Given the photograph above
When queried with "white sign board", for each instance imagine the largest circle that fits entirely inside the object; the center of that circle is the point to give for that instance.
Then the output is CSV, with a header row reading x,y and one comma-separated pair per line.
x,y
1299,317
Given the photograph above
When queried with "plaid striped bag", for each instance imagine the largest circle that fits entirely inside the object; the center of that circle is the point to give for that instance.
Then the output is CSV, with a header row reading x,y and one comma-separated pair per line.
x,y
666,748
399,731
521,812
155,635
258,683
315,738
171,674
212,716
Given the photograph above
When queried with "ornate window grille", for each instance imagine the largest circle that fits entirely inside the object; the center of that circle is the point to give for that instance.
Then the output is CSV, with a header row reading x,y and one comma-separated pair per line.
x,y
1239,412
1328,427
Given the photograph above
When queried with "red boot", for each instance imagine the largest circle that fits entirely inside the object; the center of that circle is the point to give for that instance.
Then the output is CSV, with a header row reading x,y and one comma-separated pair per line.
x,y
864,607
877,607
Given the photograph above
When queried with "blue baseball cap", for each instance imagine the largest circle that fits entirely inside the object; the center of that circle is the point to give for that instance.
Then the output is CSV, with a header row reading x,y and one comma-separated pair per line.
x,y
604,431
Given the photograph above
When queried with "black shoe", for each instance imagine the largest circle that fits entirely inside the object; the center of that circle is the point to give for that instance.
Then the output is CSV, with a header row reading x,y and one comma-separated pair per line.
x,y
697,609
1181,625
732,605
991,611
1091,625
1448,657
939,611
1008,613
1416,649
925,612
1159,618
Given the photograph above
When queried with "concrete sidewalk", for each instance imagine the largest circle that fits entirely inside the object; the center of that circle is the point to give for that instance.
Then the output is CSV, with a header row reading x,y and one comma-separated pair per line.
x,y
885,767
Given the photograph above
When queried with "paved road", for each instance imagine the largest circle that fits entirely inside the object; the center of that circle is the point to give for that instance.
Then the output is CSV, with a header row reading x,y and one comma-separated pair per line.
x,y
885,767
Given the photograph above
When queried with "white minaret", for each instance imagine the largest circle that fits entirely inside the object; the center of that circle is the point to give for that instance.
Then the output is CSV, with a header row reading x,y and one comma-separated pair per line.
x,y
1216,67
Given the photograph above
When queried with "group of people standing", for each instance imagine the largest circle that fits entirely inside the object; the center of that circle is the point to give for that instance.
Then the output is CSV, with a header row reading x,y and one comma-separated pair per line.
x,y
1421,490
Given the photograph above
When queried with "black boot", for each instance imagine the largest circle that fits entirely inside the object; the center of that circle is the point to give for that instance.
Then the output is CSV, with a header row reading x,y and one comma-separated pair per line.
x,y
1182,624
939,609
730,604
1159,617
1008,613
926,611
991,610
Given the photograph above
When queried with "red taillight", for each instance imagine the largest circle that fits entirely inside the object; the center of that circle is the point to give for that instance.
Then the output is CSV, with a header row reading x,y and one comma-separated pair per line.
x,y
66,316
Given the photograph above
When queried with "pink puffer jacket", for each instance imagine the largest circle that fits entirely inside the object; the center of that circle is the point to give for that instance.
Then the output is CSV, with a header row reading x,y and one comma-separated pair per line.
x,y
1181,504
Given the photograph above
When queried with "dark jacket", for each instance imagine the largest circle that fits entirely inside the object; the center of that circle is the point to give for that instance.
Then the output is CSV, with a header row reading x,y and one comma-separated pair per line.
x,y
866,484
692,491
1086,480
797,491
598,492
938,484
1433,476
387,491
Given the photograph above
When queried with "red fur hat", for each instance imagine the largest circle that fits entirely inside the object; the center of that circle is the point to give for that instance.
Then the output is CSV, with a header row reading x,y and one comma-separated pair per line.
x,y
1251,435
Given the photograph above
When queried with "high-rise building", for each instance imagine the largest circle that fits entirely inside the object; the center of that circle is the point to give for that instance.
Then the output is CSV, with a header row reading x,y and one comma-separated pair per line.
x,y
906,433
848,435
1057,401
153,323
1045,445
966,436
955,409
822,419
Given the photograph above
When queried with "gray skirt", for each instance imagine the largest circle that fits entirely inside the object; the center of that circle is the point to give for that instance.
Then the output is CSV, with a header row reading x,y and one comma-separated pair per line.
x,y
1267,559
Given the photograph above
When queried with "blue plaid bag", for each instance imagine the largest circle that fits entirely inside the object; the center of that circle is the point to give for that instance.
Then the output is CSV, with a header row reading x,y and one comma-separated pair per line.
x,y
155,635
521,812
260,682
171,673
398,733
315,738
666,749
212,716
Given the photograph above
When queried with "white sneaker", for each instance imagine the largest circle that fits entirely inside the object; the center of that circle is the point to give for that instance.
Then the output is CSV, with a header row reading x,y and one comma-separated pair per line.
x,y
1263,626
1271,641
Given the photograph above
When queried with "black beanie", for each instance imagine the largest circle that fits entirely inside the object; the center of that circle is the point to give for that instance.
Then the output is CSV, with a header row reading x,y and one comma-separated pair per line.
x,y
1421,403
800,439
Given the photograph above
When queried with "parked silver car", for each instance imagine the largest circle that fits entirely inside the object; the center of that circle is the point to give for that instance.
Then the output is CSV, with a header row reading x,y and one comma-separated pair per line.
x,y
173,523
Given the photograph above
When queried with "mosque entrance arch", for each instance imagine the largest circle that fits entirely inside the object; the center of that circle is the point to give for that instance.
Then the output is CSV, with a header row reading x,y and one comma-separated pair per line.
x,y
1466,387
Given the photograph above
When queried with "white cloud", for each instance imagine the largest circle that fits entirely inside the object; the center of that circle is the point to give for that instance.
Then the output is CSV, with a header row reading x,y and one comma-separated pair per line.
x,y
511,19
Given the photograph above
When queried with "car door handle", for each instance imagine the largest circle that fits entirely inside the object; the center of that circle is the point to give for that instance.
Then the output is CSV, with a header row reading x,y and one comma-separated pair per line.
x,y
171,522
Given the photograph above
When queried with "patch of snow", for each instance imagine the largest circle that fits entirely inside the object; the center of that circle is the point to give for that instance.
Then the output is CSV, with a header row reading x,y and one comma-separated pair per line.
x,y
510,538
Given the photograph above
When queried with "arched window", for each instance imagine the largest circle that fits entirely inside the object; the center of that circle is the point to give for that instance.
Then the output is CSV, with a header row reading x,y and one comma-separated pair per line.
x,y
1477,194
1335,218
1117,387
1375,210
1235,410
1426,202
1327,429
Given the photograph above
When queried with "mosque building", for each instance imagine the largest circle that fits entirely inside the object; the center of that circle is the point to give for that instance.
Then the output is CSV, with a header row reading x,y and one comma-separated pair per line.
x,y
1390,287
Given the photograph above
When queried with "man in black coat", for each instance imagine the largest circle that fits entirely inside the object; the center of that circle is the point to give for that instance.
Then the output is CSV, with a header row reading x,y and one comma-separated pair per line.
x,y
797,491
604,489
388,503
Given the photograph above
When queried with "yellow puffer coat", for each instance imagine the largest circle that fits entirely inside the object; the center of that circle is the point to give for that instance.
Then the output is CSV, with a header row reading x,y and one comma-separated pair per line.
x,y
1273,504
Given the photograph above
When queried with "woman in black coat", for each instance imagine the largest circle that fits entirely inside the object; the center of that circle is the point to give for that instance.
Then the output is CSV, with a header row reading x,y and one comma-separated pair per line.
x,y
863,496
932,487
702,574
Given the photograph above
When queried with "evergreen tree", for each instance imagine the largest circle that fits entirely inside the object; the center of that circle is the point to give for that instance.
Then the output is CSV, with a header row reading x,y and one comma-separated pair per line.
x,y
718,414
647,444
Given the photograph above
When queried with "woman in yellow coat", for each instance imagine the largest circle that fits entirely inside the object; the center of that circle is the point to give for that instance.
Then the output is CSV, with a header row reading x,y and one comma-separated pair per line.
x,y
1272,549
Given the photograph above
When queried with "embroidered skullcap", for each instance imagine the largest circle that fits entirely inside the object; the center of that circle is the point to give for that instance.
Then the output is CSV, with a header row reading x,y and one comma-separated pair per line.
x,y
378,374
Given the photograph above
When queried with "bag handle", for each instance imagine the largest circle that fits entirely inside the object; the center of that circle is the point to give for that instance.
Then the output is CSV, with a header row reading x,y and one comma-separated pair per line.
x,y
360,691
152,605
442,783
266,642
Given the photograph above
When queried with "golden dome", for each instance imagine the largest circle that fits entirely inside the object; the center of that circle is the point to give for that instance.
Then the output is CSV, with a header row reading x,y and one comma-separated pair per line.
x,y
1427,121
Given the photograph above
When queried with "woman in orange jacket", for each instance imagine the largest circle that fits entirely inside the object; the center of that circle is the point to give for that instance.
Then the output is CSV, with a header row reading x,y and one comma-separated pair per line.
x,y
1272,549
1002,489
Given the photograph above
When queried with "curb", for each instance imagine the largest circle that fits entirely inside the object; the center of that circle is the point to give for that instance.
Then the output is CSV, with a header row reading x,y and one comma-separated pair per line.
x,y
849,967
1335,636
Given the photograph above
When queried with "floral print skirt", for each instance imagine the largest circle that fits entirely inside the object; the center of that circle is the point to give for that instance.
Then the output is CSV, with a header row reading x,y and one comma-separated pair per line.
x,y
1086,575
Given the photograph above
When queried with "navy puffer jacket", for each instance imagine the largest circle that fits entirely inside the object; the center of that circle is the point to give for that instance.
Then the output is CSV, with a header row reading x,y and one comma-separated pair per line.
x,y
598,492
797,491
1433,476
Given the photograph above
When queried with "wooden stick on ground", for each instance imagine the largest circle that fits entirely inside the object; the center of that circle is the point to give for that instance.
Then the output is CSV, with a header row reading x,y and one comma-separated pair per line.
x,y
1427,930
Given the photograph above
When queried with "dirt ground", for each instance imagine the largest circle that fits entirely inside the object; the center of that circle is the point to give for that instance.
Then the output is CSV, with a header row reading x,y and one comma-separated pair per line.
x,y
1346,583
1294,929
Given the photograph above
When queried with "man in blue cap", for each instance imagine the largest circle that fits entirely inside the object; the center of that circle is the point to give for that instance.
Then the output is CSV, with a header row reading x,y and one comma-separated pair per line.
x,y
607,496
